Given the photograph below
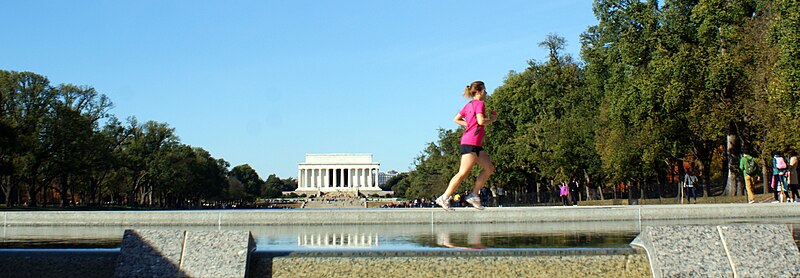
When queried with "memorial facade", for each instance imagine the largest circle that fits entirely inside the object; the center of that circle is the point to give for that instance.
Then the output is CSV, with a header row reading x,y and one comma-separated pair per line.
x,y
337,172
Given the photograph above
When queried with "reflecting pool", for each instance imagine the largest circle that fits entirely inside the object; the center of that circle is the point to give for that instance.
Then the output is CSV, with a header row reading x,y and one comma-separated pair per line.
x,y
416,237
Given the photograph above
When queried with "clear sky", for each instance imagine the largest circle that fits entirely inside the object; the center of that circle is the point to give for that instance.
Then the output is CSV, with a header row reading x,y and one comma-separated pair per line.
x,y
266,82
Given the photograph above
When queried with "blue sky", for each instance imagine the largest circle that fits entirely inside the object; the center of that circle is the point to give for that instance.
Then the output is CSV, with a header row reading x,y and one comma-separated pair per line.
x,y
266,82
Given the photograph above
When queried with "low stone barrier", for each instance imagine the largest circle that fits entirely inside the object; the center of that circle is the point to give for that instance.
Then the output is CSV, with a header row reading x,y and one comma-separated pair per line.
x,y
742,250
170,253
394,216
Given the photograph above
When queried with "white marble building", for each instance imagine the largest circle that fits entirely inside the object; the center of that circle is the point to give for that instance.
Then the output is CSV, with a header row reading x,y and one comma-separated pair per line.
x,y
324,173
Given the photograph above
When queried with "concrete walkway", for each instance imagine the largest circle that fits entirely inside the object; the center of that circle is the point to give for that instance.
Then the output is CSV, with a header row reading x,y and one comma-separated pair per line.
x,y
396,216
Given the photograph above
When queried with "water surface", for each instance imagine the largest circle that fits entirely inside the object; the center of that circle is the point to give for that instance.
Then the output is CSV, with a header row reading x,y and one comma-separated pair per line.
x,y
412,237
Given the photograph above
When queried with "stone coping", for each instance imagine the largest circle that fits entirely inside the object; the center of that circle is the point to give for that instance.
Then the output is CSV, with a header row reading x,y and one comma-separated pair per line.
x,y
734,250
396,216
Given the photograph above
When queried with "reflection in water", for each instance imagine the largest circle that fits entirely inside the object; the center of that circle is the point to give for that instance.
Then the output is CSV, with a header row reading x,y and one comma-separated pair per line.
x,y
599,234
473,241
338,240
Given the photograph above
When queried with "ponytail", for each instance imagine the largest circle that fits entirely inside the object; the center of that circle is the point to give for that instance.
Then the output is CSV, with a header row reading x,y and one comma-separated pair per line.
x,y
473,88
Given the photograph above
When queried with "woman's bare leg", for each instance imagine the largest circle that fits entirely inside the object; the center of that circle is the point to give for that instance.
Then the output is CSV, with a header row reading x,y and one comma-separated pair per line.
x,y
467,160
487,169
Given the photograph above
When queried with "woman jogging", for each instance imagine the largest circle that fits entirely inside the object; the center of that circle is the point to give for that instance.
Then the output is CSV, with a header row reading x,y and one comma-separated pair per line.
x,y
473,118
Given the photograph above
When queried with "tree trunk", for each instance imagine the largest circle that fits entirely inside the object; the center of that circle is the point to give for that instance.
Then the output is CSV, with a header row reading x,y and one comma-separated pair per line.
x,y
641,192
600,189
7,189
701,150
136,186
731,154
62,190
32,192
588,194
586,185
705,180
615,191
94,185
628,188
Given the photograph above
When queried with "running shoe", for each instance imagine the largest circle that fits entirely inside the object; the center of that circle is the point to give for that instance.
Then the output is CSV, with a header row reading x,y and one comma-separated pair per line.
x,y
475,201
444,203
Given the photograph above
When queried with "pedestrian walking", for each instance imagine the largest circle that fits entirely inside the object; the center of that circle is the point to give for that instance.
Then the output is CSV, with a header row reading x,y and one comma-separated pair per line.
x,y
750,172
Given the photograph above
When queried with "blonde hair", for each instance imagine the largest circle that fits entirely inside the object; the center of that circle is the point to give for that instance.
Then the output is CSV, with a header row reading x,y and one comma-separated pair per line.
x,y
474,88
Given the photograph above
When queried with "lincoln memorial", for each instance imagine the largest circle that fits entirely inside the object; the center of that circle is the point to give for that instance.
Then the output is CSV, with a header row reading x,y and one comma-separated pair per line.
x,y
324,173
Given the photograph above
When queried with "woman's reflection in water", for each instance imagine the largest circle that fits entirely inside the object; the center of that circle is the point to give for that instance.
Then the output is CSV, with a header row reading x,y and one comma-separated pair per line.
x,y
473,240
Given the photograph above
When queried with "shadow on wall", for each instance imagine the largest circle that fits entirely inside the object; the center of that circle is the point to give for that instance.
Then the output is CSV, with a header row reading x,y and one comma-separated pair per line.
x,y
151,254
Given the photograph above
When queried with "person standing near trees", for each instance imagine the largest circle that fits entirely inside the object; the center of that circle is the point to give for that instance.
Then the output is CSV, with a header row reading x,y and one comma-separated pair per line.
x,y
501,194
750,171
793,177
779,167
473,117
564,193
689,181
574,191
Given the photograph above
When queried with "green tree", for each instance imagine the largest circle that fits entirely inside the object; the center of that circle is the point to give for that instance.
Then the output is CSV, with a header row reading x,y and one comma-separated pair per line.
x,y
390,183
273,187
249,179
28,101
143,146
435,166
289,184
544,133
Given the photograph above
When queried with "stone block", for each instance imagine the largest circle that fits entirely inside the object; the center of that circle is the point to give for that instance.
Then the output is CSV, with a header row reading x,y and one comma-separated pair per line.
x,y
744,250
171,253
217,253
150,253
762,250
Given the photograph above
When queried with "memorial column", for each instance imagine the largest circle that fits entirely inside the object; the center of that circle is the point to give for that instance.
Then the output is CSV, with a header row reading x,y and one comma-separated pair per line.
x,y
364,177
335,178
324,177
352,181
317,178
377,176
305,181
369,179
307,176
360,177
341,177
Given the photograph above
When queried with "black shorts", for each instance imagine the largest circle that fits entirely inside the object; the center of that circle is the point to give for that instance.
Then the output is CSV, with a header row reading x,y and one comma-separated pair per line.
x,y
465,149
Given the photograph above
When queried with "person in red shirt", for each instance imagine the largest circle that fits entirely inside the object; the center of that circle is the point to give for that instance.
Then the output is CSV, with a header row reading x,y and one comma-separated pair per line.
x,y
473,117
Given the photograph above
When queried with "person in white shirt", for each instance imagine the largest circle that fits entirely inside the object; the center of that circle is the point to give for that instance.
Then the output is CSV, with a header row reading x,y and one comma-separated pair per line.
x,y
689,182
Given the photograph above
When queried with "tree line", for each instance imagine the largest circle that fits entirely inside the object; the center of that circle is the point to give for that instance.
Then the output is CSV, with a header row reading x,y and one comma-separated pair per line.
x,y
661,89
61,145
